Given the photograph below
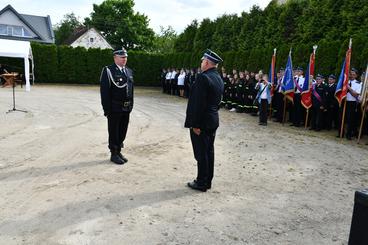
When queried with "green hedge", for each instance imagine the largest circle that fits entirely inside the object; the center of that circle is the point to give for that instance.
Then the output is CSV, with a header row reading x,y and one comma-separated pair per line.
x,y
329,57
63,64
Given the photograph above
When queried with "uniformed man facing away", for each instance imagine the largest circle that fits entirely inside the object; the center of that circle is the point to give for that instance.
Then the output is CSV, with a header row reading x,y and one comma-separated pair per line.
x,y
116,87
203,120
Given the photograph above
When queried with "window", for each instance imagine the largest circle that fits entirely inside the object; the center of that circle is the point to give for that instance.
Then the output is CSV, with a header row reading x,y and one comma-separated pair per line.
x,y
26,33
91,39
17,31
10,30
3,30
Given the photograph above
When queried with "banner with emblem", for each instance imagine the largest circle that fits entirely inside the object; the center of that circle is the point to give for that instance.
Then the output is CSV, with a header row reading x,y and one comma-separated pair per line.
x,y
306,99
342,84
288,86
272,75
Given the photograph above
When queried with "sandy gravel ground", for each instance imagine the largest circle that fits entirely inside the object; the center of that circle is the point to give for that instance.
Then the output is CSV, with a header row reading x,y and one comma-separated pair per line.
x,y
273,185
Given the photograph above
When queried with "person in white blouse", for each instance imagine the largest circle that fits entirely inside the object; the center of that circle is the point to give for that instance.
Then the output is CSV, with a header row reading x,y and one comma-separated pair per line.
x,y
181,79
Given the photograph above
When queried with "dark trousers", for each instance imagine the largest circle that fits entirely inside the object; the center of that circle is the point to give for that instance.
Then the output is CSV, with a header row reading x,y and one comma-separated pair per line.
x,y
332,117
316,121
167,86
351,118
263,108
279,106
297,109
117,126
204,153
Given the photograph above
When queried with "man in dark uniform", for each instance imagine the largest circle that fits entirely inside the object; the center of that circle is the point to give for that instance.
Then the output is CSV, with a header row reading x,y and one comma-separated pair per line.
x,y
332,106
203,120
318,103
278,97
116,87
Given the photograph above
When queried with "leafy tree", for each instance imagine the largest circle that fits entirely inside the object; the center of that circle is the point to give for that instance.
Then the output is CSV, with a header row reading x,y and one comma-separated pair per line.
x,y
204,35
120,25
185,41
164,42
65,28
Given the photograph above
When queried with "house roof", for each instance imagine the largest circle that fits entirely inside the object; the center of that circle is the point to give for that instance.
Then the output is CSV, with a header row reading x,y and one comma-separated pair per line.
x,y
40,25
78,32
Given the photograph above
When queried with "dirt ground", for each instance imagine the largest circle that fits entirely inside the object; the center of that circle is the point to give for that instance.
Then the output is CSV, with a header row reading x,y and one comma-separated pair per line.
x,y
272,185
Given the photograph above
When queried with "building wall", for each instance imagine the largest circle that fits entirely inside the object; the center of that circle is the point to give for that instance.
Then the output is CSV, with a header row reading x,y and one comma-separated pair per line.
x,y
91,39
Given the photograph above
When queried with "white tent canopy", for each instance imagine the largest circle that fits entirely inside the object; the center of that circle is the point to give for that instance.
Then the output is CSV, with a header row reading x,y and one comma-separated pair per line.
x,y
18,49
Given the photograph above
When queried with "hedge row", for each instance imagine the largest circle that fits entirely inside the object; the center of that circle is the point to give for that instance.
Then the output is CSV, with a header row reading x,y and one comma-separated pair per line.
x,y
329,57
63,64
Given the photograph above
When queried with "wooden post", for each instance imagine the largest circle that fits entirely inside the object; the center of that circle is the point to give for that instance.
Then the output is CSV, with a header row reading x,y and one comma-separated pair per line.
x,y
270,116
343,120
306,119
361,122
284,113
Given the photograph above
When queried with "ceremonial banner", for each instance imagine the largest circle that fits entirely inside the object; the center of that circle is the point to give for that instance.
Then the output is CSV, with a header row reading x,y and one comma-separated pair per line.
x,y
288,86
342,84
272,74
364,94
306,91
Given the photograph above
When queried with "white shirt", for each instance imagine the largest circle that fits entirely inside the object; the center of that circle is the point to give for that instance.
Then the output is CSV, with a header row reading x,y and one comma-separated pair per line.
x,y
279,83
173,74
264,92
181,78
357,87
168,76
300,81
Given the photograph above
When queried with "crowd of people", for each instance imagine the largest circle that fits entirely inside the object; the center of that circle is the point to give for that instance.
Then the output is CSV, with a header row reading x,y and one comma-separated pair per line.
x,y
253,93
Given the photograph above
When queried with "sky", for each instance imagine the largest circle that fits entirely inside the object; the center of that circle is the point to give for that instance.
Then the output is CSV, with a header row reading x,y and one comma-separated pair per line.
x,y
176,13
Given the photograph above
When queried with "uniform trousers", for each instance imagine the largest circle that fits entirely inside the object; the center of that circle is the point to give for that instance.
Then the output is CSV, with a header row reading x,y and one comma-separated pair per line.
x,y
263,109
117,127
204,153
317,114
351,118
297,109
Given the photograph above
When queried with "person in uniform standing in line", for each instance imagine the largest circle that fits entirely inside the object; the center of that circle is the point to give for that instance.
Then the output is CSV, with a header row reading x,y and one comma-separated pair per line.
x,y
116,87
203,120
332,105
297,107
354,89
318,103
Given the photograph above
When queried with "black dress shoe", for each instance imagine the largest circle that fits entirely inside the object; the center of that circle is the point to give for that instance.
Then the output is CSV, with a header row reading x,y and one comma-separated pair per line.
x,y
207,185
123,157
116,159
194,185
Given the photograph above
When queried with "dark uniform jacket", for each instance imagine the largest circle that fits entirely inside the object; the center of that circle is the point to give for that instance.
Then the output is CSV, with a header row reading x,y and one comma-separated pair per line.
x,y
204,100
331,101
116,89
320,90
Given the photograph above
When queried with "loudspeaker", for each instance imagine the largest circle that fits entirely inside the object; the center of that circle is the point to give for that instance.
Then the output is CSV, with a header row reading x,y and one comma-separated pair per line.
x,y
359,223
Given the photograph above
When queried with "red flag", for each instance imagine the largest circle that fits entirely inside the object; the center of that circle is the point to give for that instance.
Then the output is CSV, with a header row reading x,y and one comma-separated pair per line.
x,y
307,88
342,84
